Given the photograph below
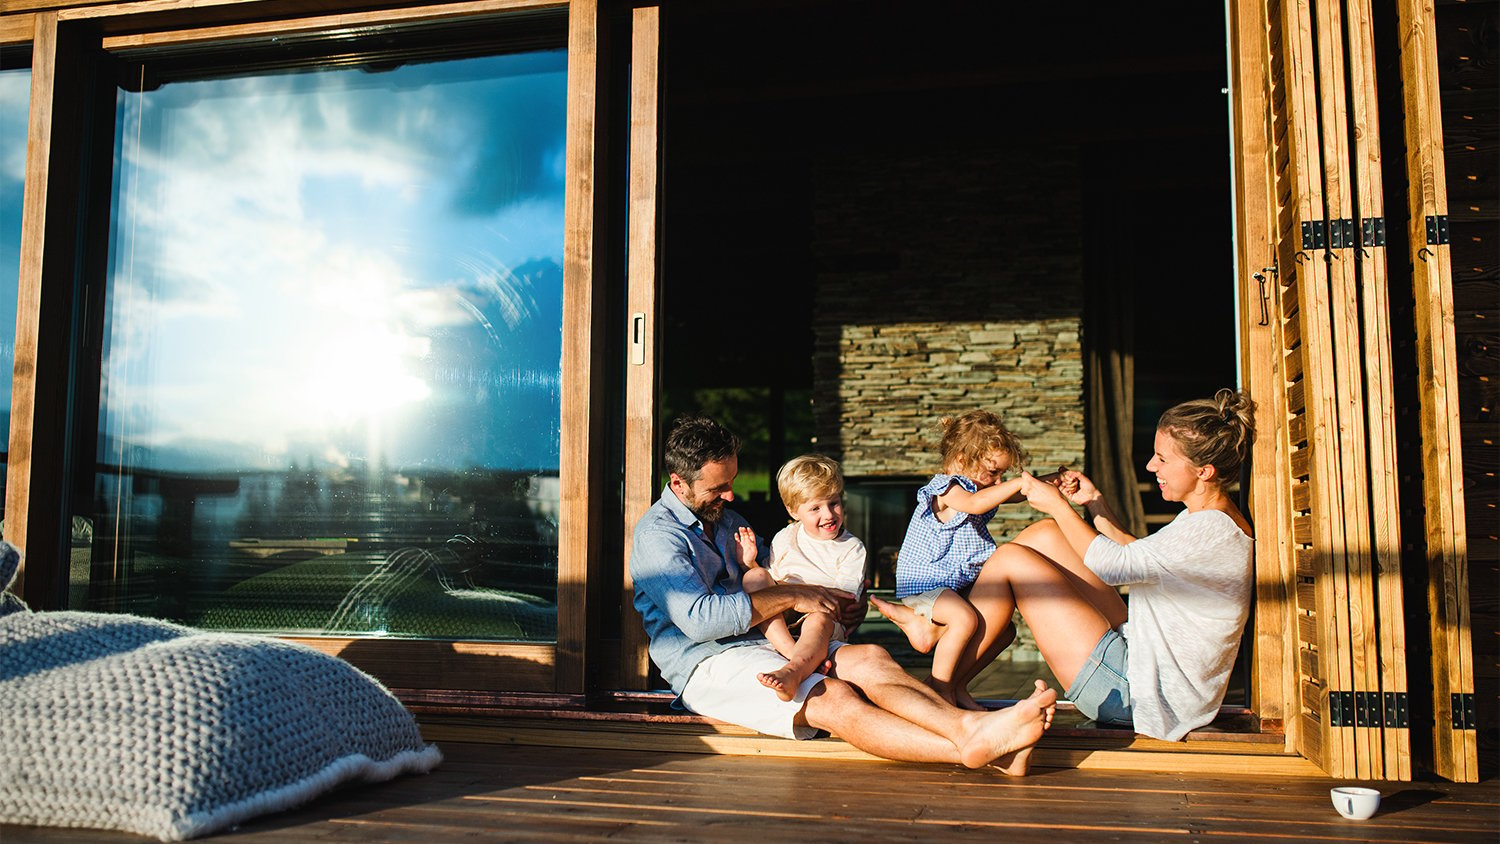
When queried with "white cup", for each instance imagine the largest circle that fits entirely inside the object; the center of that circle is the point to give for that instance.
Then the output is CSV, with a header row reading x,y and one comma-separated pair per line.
x,y
1355,803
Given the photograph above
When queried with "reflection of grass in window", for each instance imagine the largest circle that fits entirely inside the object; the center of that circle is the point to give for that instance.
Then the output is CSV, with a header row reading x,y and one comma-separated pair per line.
x,y
748,412
752,481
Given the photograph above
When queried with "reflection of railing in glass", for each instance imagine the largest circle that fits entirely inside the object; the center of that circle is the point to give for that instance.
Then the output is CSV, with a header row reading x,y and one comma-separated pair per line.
x,y
415,591
440,555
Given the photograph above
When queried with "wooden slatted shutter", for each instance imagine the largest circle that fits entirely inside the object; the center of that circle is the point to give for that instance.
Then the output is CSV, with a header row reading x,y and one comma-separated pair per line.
x,y
1309,427
1335,396
1455,742
1371,272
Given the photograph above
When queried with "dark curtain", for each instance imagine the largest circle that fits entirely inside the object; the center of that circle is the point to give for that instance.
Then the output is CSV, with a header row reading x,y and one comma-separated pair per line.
x,y
1109,361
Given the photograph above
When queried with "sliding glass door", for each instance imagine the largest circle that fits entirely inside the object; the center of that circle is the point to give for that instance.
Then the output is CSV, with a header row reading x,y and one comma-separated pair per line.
x,y
337,280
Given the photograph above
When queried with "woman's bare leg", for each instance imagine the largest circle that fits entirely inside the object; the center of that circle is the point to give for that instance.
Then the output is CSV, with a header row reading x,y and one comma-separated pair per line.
x,y
1047,539
1065,622
974,661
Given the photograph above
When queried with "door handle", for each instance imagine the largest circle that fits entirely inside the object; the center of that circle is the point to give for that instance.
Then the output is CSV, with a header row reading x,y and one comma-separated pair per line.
x,y
638,339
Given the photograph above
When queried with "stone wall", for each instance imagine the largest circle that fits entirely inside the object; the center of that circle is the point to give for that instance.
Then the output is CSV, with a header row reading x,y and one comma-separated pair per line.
x,y
917,318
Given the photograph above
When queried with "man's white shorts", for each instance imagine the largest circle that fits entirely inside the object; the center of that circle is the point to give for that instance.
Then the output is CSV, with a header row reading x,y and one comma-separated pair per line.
x,y
724,686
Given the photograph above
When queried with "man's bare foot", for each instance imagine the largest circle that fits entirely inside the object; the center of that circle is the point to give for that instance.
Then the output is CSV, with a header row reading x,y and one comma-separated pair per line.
x,y
1016,764
920,631
1007,737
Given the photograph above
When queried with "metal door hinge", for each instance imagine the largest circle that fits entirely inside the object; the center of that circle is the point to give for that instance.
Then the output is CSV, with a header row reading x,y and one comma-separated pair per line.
x,y
1437,230
1314,234
1341,233
1463,711
1395,711
1341,709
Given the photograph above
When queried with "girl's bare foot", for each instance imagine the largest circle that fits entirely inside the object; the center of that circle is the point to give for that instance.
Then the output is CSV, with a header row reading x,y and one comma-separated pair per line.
x,y
1006,737
959,697
963,700
920,631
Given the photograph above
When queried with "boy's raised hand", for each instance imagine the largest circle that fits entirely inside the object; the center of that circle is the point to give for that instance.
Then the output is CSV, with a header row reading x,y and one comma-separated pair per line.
x,y
745,538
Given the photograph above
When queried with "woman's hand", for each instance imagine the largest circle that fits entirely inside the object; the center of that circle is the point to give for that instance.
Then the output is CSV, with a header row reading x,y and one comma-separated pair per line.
x,y
1043,495
1077,487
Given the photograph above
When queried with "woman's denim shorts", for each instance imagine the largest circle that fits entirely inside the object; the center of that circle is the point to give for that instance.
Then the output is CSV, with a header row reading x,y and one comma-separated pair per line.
x,y
1100,690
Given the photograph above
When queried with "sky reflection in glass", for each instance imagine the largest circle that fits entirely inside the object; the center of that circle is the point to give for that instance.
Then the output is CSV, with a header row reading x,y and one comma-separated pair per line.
x,y
339,266
15,97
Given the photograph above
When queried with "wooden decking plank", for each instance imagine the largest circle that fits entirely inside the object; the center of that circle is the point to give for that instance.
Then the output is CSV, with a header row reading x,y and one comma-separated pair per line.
x,y
1061,748
487,792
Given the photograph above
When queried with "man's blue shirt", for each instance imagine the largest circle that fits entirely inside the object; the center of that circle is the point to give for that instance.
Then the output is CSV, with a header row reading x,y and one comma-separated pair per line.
x,y
687,592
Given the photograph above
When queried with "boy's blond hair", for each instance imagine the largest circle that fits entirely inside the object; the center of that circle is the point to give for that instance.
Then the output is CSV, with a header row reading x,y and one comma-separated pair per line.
x,y
970,438
807,477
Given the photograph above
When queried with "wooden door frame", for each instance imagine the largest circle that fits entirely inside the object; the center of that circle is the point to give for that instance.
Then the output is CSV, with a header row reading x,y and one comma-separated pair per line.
x,y
643,315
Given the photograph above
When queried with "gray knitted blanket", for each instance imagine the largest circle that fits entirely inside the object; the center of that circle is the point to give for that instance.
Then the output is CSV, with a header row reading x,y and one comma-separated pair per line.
x,y
119,722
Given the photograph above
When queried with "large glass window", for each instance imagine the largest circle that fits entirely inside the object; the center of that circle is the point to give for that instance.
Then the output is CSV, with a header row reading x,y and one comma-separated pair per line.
x,y
331,372
15,97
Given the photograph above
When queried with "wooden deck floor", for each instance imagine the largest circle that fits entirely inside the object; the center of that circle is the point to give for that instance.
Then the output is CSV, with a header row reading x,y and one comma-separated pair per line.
x,y
489,792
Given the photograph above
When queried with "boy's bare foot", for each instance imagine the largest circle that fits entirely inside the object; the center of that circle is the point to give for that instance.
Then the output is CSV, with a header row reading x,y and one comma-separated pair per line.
x,y
920,631
783,681
1007,737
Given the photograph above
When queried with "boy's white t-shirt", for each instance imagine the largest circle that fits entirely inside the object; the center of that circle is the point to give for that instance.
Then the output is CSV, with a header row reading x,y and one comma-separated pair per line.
x,y
837,563
1190,588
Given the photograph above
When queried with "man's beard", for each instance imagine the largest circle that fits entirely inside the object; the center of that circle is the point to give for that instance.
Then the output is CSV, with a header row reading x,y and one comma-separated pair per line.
x,y
710,511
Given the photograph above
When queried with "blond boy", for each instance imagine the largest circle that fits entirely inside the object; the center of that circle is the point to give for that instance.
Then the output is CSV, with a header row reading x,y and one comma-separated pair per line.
x,y
813,550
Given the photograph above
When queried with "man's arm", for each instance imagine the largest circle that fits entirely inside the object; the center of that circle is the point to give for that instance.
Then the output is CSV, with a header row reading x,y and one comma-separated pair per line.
x,y
773,601
663,568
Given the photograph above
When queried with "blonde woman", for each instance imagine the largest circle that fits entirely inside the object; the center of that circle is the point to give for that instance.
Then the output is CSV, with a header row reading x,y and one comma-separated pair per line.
x,y
1162,663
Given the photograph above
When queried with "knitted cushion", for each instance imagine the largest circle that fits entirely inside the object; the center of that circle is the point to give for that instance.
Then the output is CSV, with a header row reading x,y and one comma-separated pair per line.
x,y
120,722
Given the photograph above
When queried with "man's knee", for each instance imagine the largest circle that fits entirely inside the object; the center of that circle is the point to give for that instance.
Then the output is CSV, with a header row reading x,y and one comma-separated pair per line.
x,y
831,703
861,656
